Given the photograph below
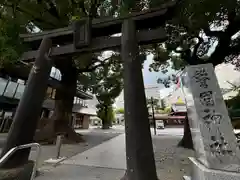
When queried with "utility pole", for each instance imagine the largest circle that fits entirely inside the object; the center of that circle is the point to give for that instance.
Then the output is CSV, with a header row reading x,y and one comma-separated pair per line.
x,y
153,114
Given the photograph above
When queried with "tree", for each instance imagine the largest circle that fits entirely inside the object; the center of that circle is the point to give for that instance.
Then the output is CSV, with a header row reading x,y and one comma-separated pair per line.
x,y
200,32
233,106
199,27
9,50
163,104
107,83
153,102
233,103
167,110
106,114
120,111
11,46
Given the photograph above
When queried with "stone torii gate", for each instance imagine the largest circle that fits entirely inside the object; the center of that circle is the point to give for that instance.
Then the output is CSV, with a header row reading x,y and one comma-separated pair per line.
x,y
88,36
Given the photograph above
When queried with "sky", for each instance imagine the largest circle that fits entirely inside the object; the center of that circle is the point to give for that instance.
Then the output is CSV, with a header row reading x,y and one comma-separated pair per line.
x,y
150,79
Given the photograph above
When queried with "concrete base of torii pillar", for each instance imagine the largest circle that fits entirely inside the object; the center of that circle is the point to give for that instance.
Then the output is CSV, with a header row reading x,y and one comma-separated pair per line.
x,y
201,172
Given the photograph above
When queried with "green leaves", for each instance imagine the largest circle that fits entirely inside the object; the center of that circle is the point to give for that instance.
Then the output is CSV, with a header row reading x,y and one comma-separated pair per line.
x,y
106,114
203,31
108,86
120,111
106,80
11,46
191,33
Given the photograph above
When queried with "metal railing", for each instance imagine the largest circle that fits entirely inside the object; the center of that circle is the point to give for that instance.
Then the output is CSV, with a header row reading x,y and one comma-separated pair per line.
x,y
13,150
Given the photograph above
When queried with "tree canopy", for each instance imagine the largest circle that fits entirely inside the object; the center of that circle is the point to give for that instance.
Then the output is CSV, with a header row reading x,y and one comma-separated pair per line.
x,y
120,111
204,31
196,28
200,32
11,46
106,83
49,14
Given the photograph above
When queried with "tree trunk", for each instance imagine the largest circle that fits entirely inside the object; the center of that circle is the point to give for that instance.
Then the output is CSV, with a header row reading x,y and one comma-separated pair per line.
x,y
186,141
29,108
106,121
59,123
139,148
106,124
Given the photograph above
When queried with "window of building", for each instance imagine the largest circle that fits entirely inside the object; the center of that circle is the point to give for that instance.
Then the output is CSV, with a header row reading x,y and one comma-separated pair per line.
x,y
79,121
56,74
49,92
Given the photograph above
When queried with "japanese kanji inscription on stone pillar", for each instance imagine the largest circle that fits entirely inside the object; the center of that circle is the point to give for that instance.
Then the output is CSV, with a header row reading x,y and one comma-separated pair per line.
x,y
214,141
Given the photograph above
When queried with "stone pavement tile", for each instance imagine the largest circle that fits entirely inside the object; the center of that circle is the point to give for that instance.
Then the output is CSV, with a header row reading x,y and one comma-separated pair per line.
x,y
110,154
76,172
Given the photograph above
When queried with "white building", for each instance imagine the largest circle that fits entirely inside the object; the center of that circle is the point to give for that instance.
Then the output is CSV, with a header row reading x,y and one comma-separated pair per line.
x,y
150,91
153,91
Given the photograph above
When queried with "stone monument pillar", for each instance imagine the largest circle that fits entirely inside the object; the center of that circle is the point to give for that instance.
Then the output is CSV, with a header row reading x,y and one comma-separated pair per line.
x,y
217,151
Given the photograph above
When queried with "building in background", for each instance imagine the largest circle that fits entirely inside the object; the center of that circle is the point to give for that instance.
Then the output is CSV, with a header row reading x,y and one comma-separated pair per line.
x,y
150,91
81,111
11,90
228,78
153,91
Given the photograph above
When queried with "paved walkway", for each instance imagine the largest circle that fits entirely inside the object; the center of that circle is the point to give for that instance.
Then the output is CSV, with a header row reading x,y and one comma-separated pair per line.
x,y
93,137
103,162
107,161
110,154
75,172
169,131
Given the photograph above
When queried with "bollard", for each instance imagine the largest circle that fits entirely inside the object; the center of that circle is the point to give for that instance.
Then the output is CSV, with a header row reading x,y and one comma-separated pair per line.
x,y
58,145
